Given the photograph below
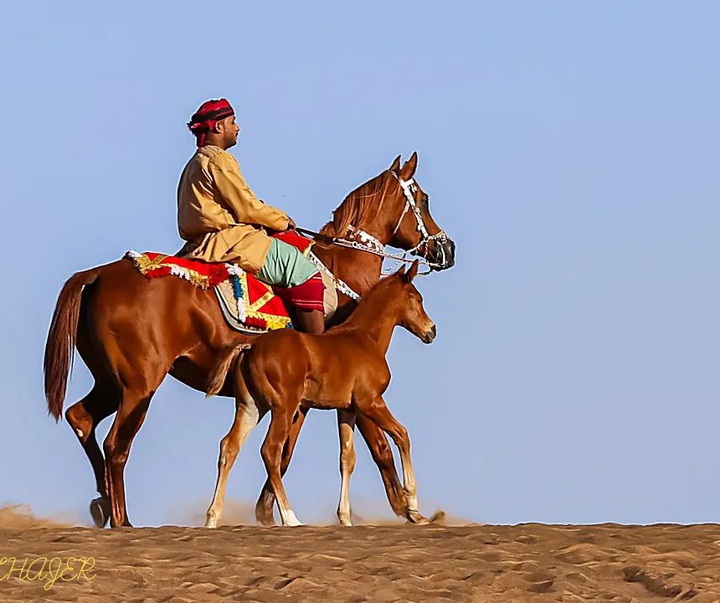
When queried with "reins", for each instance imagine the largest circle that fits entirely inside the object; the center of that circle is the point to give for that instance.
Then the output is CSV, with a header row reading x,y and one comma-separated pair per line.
x,y
357,245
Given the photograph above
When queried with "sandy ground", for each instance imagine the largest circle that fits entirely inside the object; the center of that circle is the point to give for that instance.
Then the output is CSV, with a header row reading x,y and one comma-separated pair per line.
x,y
525,563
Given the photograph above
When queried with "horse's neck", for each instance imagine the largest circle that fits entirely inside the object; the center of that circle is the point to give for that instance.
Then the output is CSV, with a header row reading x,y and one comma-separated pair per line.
x,y
381,223
359,269
376,316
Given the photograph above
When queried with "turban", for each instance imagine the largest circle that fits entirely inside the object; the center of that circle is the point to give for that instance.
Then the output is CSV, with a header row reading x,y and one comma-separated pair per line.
x,y
205,118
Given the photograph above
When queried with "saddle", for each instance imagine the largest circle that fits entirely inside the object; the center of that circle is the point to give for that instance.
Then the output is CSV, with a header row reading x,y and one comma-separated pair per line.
x,y
247,304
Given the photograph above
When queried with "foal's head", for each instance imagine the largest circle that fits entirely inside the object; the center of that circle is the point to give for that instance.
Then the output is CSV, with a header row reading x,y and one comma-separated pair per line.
x,y
408,303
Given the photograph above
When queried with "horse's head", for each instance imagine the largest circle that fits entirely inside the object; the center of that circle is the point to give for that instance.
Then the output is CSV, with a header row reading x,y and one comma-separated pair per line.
x,y
416,230
412,315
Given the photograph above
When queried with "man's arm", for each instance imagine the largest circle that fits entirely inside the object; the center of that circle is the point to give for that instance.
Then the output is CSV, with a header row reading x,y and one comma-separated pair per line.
x,y
246,207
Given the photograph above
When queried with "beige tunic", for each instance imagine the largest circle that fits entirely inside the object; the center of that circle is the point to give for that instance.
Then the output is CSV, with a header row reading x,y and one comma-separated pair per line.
x,y
220,216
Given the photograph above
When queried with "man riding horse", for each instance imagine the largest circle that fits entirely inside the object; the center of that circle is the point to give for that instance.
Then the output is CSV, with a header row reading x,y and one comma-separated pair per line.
x,y
130,337
223,221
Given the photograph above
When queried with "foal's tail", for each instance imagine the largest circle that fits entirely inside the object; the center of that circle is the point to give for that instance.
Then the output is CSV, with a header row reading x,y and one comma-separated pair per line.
x,y
60,344
227,362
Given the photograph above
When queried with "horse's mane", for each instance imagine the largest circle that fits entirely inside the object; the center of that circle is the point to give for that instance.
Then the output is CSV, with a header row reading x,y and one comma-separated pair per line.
x,y
356,207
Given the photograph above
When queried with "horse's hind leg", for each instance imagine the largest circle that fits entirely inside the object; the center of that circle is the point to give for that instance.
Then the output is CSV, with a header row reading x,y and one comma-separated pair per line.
x,y
84,417
247,416
264,506
130,416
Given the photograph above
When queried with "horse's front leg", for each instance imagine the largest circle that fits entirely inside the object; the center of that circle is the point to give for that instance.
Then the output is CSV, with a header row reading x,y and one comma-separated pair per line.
x,y
264,506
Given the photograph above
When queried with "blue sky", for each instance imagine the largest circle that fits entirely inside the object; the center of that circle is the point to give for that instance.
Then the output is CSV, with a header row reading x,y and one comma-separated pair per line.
x,y
569,148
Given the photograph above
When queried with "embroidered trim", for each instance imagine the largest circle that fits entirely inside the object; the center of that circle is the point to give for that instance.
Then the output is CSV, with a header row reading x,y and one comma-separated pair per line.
x,y
340,285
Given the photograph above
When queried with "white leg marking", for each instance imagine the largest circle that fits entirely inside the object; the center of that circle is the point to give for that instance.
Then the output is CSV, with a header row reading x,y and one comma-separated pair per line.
x,y
347,466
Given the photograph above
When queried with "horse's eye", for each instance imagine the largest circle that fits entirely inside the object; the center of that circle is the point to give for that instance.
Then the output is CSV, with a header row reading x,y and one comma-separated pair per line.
x,y
426,200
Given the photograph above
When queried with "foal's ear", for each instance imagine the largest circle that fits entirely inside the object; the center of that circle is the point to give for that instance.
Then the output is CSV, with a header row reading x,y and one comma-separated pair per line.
x,y
395,164
408,170
412,273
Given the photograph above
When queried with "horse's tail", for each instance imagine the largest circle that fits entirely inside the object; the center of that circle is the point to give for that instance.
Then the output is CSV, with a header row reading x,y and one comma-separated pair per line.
x,y
226,362
60,344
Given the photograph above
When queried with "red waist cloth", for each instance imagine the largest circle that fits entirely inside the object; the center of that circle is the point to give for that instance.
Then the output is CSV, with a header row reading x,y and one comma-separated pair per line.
x,y
306,296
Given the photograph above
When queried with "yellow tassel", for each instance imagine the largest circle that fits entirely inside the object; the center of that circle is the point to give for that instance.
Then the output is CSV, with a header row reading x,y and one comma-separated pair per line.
x,y
276,322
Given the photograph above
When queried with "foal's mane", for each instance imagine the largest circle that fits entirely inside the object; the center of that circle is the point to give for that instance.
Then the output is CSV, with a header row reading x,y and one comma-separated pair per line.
x,y
374,302
359,205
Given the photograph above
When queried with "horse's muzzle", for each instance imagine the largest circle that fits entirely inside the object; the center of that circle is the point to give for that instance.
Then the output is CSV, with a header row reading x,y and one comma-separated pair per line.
x,y
429,335
443,254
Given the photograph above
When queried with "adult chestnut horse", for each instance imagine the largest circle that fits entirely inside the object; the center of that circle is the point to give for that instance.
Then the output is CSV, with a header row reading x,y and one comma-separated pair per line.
x,y
131,332
345,368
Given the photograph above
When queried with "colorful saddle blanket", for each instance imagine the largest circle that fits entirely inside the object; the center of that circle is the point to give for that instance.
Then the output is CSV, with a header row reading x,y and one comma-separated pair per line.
x,y
248,305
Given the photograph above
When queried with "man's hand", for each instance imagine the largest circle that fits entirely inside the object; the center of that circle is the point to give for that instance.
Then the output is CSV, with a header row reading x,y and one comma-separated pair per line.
x,y
291,224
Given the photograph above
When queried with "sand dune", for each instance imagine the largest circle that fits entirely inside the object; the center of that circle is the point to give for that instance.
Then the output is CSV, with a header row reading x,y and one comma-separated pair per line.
x,y
525,563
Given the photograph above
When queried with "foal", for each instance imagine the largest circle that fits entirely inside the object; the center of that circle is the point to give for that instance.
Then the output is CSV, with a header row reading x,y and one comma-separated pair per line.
x,y
345,368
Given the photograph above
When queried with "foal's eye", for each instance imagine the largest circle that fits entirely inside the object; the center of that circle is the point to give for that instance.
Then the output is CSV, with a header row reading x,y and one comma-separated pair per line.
x,y
426,200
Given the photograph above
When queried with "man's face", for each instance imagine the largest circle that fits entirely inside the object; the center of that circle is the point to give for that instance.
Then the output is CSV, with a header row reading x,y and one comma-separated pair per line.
x,y
230,131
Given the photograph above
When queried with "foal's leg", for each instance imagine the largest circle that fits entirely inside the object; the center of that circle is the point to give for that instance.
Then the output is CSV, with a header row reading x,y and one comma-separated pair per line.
x,y
264,506
346,425
379,413
247,416
83,417
271,453
382,455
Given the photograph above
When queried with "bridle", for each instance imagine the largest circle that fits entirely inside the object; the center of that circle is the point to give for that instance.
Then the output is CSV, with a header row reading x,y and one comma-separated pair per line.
x,y
364,241
409,188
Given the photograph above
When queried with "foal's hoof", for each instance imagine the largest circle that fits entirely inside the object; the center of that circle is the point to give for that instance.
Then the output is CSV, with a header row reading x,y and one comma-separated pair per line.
x,y
438,518
100,511
417,518
265,519
290,521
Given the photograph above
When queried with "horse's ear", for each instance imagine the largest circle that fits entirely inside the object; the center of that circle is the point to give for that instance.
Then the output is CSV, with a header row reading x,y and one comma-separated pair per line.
x,y
395,164
408,170
412,273
401,272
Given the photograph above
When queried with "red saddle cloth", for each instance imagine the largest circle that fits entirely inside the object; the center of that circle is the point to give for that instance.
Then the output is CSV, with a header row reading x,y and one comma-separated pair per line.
x,y
259,306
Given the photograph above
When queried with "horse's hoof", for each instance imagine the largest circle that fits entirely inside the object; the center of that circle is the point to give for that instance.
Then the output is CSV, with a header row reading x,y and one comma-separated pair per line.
x,y
100,511
345,520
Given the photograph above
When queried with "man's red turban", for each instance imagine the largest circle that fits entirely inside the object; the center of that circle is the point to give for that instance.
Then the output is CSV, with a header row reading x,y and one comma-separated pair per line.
x,y
207,116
